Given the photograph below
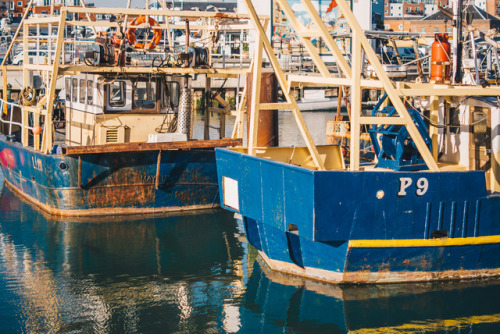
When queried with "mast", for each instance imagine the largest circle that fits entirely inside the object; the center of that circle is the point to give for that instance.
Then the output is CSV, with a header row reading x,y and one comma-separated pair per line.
x,y
457,39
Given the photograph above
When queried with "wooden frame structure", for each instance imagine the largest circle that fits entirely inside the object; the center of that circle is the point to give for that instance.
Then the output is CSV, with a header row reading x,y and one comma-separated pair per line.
x,y
54,67
352,77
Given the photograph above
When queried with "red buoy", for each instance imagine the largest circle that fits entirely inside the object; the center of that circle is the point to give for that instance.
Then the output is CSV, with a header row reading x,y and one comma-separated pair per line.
x,y
37,129
441,59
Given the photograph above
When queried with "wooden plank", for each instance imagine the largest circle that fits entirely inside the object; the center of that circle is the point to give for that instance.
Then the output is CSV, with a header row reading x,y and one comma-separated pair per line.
x,y
163,26
159,12
332,82
141,70
7,53
47,134
453,91
141,147
4,86
306,135
356,99
255,99
381,120
41,20
238,123
275,106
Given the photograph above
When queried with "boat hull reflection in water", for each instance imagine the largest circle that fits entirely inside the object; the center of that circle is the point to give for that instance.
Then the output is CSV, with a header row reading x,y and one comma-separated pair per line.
x,y
144,275
196,274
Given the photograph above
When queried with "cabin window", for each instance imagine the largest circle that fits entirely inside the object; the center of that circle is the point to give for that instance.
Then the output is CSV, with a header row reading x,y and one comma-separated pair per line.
x,y
82,91
144,96
74,90
116,94
90,92
67,87
172,93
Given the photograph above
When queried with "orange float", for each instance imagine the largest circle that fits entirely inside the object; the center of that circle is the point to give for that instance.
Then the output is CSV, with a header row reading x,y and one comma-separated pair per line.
x,y
440,60
37,129
133,40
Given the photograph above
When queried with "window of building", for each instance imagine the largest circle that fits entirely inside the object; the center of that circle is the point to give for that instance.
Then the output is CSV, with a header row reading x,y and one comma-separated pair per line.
x,y
12,6
386,11
46,2
436,30
74,90
44,12
422,30
90,91
144,96
116,94
82,90
19,4
400,27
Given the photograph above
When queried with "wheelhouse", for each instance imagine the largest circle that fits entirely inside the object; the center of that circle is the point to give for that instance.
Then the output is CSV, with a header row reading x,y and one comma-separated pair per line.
x,y
120,109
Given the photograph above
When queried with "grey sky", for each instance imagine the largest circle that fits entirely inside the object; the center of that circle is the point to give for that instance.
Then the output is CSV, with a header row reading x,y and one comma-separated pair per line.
x,y
117,3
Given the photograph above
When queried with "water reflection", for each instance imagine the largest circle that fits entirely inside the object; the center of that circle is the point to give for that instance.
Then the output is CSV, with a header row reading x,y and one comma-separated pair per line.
x,y
196,274
301,306
170,274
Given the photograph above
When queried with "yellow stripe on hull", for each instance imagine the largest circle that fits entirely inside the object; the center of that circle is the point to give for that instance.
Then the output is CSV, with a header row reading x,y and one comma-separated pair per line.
x,y
493,239
434,325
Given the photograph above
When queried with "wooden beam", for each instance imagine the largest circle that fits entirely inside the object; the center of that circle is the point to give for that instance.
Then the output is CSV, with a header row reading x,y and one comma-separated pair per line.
x,y
381,120
158,12
332,82
7,53
255,100
388,86
133,147
306,135
313,51
50,92
356,99
275,106
139,70
453,91
328,39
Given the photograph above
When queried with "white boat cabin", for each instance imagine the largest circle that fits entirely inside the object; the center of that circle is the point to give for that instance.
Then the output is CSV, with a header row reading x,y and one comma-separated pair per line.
x,y
117,109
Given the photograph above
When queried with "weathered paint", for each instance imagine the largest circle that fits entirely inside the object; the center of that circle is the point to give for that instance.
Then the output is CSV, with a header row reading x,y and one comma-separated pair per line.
x,y
369,226
112,183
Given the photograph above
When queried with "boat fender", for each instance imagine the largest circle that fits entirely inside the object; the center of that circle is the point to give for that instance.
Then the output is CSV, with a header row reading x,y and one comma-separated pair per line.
x,y
130,34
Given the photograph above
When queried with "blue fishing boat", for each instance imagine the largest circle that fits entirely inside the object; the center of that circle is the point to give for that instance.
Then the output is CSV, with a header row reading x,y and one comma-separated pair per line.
x,y
427,208
117,138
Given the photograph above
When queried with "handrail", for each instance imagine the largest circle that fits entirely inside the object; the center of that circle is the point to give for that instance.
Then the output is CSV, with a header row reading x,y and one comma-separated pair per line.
x,y
10,122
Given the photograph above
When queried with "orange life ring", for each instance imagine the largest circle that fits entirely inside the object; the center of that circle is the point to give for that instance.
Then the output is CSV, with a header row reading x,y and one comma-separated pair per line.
x,y
133,40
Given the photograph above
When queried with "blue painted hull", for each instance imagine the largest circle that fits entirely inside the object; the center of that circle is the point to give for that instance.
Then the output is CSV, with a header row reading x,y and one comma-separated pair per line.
x,y
368,226
112,183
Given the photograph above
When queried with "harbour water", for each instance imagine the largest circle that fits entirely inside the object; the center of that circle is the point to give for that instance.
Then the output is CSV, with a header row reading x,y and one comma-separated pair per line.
x,y
197,274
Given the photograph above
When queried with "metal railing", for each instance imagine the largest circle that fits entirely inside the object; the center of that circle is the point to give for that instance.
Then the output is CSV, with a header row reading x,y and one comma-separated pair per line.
x,y
7,113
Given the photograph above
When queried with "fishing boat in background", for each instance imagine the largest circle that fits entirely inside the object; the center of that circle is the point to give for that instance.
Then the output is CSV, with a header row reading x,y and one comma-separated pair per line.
x,y
427,208
118,138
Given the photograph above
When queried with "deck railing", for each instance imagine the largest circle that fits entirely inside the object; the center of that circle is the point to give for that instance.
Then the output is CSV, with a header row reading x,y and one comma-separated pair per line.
x,y
10,112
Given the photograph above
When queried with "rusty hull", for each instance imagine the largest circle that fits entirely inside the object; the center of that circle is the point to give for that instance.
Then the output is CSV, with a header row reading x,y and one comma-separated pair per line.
x,y
113,183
